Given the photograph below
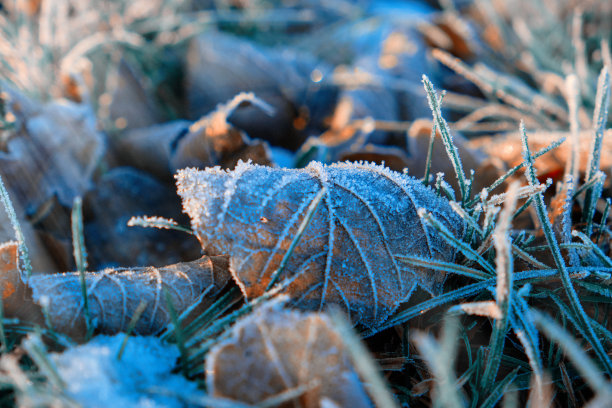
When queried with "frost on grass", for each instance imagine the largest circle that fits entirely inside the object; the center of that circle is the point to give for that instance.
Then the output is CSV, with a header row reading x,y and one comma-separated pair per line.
x,y
275,352
113,294
347,254
141,378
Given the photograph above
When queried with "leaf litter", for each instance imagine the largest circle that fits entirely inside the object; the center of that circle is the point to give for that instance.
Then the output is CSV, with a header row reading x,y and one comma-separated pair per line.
x,y
152,87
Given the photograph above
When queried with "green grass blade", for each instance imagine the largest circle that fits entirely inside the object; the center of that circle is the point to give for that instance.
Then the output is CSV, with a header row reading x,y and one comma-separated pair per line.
x,y
447,137
80,258
574,351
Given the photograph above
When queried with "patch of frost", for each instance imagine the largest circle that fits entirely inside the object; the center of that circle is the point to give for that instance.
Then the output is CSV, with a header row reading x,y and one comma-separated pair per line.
x,y
142,378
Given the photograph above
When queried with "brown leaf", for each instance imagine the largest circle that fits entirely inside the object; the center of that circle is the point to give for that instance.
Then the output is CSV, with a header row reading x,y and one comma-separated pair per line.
x,y
272,351
16,296
347,255
220,66
150,148
113,294
507,147
209,141
213,141
392,157
42,259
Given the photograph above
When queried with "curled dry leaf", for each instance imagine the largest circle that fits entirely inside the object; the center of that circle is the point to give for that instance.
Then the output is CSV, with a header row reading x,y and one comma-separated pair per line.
x,y
508,149
220,65
212,140
288,350
113,294
162,149
347,254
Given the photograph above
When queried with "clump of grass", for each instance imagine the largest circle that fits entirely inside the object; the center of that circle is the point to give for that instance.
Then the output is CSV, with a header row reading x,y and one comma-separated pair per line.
x,y
521,294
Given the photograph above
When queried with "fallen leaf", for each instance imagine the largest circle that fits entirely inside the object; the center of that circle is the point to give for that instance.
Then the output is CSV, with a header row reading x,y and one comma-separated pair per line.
x,y
346,256
213,141
16,297
220,66
210,141
392,157
113,294
287,350
507,147
150,148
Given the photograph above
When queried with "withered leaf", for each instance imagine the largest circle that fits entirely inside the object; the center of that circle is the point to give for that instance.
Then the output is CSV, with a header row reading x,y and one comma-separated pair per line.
x,y
113,294
286,350
215,72
507,147
347,254
164,148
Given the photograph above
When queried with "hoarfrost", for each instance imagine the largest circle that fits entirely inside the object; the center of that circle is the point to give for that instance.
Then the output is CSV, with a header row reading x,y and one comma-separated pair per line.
x,y
347,255
142,378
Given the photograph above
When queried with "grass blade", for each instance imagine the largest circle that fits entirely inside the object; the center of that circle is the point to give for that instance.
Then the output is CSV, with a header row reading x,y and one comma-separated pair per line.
x,y
80,258
24,255
447,138
364,364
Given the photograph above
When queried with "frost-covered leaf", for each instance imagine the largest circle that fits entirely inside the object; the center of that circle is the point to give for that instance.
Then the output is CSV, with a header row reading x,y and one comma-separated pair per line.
x,y
286,350
113,294
347,254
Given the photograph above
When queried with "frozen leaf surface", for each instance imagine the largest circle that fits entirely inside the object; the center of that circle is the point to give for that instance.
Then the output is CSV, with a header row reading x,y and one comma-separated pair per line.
x,y
113,294
288,350
346,256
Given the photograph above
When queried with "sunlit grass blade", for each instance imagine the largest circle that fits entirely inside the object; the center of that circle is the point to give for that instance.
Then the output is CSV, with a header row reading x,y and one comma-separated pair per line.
x,y
516,168
440,357
504,266
157,222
